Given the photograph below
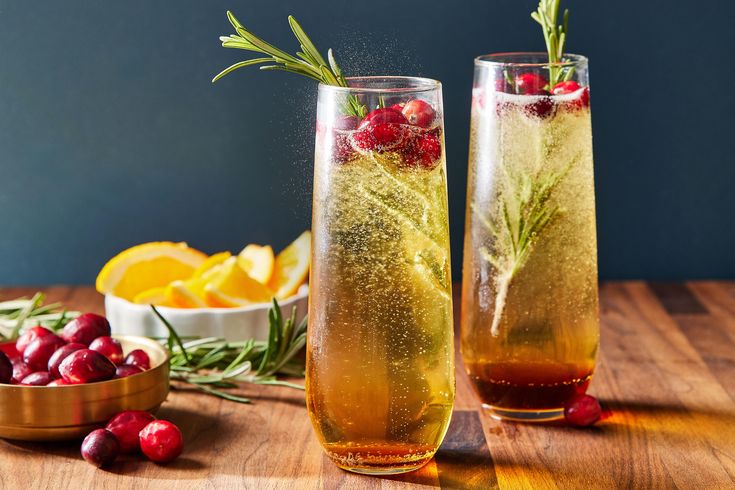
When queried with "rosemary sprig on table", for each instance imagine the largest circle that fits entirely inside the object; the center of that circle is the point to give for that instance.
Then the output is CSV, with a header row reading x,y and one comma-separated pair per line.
x,y
308,62
18,314
555,35
524,212
213,364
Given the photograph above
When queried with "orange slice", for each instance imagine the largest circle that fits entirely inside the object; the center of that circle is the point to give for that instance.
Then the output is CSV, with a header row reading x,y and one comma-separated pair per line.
x,y
291,268
257,261
231,287
148,266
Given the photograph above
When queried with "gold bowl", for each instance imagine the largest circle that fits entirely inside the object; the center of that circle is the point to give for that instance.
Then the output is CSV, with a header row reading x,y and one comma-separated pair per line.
x,y
41,413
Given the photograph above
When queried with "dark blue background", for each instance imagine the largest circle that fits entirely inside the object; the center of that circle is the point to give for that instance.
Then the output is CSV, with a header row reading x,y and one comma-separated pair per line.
x,y
111,133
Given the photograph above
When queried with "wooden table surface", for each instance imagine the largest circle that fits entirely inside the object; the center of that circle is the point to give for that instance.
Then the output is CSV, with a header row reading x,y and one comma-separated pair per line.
x,y
666,373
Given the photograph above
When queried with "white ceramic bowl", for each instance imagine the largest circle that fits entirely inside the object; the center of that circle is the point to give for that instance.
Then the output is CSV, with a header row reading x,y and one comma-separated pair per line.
x,y
242,323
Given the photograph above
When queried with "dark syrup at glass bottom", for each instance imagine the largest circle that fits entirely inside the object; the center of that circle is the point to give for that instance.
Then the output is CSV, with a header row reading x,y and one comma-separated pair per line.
x,y
528,386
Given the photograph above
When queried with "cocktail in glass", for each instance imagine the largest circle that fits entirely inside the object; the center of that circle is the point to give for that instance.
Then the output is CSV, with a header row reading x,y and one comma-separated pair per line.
x,y
380,359
530,332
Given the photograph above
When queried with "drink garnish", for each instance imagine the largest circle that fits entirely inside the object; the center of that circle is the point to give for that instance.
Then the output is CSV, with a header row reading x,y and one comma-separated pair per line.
x,y
308,62
555,35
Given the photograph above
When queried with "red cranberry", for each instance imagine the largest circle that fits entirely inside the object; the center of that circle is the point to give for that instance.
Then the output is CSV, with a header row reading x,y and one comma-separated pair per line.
x,y
529,83
542,108
161,441
584,99
424,150
100,447
126,427
381,130
57,382
6,369
346,123
61,353
86,366
29,336
582,410
138,357
85,328
124,370
108,347
40,350
568,87
419,113
20,370
40,378
398,107
342,151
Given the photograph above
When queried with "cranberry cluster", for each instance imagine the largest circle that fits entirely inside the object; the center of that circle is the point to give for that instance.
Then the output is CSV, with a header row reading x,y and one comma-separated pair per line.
x,y
132,431
84,352
544,104
408,129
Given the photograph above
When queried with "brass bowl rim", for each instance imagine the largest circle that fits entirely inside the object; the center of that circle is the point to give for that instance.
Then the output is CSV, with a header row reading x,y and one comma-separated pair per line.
x,y
150,343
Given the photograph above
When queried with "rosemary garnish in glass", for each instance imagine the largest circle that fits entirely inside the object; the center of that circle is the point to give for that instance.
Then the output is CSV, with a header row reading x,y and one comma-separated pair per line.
x,y
308,62
547,16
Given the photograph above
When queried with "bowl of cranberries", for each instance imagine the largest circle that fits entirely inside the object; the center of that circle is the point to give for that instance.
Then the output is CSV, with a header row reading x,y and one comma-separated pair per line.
x,y
61,385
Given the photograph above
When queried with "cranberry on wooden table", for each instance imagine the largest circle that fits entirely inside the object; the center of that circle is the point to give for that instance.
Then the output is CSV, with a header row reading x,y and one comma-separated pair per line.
x,y
61,353
126,426
29,336
37,354
138,357
582,410
85,328
6,369
161,441
108,347
100,447
86,366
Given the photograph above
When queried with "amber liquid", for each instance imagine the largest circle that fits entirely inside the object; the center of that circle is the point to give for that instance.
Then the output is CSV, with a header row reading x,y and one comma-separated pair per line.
x,y
380,359
530,329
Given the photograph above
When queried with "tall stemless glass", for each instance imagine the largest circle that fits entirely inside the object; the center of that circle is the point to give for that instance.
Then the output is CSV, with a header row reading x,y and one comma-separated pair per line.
x,y
380,359
530,328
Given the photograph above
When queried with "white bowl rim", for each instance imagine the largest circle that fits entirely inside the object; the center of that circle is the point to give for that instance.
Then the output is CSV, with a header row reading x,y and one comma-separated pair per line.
x,y
302,293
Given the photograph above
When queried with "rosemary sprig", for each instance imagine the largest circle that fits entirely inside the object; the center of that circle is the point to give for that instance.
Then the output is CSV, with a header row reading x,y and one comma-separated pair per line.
x,y
308,62
18,314
547,15
524,212
212,364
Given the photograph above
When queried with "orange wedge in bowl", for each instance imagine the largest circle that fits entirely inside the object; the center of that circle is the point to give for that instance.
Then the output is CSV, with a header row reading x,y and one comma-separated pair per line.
x,y
257,261
148,266
211,262
291,268
231,286
153,296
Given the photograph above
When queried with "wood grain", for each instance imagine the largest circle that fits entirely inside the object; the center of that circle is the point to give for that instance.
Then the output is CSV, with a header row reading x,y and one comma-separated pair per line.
x,y
666,376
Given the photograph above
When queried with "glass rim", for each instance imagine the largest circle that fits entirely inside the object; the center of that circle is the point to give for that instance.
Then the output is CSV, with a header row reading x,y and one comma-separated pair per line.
x,y
413,85
503,60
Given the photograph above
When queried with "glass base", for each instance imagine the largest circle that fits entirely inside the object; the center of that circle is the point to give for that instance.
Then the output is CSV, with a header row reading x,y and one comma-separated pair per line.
x,y
519,415
376,471
384,465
